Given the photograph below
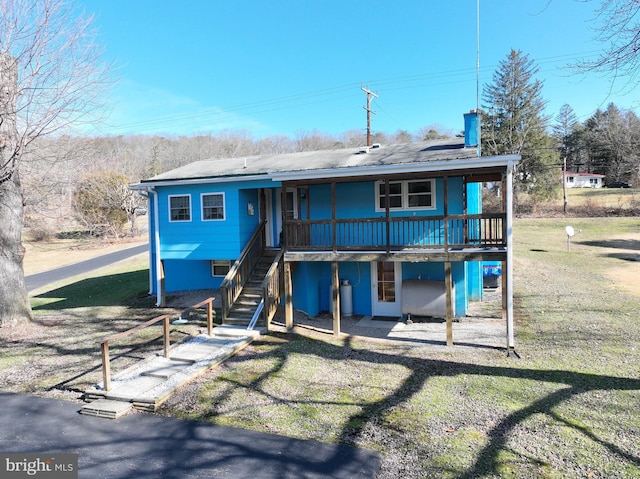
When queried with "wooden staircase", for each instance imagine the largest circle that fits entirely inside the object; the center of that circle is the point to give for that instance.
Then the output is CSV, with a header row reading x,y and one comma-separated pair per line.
x,y
245,306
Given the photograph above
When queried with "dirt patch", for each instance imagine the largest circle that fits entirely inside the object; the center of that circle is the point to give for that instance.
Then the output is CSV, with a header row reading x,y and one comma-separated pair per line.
x,y
186,299
626,274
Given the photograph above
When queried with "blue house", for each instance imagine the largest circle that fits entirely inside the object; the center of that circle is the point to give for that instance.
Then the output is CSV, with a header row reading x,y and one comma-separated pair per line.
x,y
384,230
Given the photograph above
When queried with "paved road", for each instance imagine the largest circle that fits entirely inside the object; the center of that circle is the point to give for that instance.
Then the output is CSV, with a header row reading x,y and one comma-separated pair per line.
x,y
140,446
35,281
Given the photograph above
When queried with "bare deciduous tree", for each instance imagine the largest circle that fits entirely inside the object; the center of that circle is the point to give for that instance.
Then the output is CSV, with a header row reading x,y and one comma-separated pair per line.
x,y
52,76
104,203
618,26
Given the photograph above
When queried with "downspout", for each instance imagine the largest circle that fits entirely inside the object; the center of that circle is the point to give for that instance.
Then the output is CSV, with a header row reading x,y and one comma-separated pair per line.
x,y
154,236
145,193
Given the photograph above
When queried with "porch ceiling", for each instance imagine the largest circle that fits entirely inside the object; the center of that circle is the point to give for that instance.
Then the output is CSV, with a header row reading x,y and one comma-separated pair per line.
x,y
408,256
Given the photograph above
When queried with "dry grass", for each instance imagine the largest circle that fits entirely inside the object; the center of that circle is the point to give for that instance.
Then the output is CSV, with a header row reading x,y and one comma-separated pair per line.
x,y
583,203
566,408
46,255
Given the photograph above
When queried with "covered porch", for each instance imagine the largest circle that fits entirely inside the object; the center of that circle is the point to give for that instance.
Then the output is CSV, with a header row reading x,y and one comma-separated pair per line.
x,y
457,231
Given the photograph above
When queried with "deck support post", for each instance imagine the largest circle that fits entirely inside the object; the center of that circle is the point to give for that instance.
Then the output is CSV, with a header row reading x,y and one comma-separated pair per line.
x,y
448,280
335,295
106,365
507,271
288,296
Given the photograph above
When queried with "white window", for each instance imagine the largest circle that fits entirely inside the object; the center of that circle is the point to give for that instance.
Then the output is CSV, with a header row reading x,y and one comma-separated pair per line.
x,y
407,195
212,206
220,267
180,208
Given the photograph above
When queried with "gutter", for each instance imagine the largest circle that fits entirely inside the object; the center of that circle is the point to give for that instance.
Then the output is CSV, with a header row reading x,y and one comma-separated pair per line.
x,y
145,193
154,238
432,166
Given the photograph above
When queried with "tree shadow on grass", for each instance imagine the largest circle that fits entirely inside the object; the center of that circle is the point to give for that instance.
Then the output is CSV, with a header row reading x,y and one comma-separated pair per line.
x,y
488,461
111,290
629,244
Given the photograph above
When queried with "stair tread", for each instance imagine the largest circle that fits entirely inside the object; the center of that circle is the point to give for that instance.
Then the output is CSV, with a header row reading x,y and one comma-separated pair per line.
x,y
244,307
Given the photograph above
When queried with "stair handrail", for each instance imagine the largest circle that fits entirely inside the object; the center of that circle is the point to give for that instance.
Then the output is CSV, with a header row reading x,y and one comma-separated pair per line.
x,y
239,273
104,344
256,315
272,287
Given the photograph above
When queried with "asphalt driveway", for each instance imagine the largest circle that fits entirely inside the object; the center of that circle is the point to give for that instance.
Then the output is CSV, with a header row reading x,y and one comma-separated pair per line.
x,y
37,280
149,446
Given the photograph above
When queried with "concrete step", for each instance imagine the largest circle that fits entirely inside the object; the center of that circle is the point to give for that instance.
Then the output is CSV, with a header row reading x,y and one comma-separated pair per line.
x,y
129,389
199,350
145,386
165,368
106,408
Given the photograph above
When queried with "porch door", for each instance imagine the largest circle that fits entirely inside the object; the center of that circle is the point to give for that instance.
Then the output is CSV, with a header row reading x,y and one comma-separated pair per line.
x,y
386,288
270,217
292,207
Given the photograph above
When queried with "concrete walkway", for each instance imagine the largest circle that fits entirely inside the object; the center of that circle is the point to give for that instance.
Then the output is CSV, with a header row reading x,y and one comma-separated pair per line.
x,y
148,384
141,446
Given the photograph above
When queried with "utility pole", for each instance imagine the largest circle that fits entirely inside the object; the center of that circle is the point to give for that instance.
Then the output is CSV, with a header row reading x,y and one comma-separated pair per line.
x,y
369,112
564,181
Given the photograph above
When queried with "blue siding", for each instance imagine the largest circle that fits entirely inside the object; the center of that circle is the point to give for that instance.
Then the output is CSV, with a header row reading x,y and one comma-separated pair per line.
x,y
190,274
188,247
474,268
199,241
217,239
358,199
359,276
312,284
306,296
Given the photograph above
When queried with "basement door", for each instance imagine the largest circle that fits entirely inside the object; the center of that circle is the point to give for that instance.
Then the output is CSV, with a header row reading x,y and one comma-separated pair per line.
x,y
386,288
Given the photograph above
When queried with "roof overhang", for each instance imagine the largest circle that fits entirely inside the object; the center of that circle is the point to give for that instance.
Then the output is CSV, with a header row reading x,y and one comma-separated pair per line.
x,y
143,185
505,161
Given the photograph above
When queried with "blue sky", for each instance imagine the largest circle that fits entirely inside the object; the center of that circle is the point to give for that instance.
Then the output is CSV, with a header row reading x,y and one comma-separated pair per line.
x,y
282,67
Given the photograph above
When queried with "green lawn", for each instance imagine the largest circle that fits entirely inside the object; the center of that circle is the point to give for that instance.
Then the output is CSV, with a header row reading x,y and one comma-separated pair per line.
x,y
567,407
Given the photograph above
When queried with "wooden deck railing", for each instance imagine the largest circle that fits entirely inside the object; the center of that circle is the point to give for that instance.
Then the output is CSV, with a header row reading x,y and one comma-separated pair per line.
x,y
409,232
239,273
104,344
273,288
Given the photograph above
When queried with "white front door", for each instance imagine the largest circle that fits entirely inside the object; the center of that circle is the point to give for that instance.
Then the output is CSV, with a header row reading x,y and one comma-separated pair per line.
x,y
386,288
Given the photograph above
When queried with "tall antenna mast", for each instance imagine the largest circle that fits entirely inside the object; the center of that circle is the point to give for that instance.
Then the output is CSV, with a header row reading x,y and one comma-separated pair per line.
x,y
369,112
478,117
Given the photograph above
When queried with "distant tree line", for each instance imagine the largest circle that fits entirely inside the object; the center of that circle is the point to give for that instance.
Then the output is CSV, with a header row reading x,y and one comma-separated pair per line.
x,y
514,122
58,169
607,143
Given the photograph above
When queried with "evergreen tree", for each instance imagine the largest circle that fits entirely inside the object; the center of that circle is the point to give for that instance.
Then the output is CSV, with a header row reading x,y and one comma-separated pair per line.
x,y
514,123
613,136
570,135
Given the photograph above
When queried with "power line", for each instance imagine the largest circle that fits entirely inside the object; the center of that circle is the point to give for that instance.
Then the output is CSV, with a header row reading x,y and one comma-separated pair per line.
x,y
324,95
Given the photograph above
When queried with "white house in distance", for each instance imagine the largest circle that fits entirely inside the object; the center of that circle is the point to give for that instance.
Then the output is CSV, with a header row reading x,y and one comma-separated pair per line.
x,y
583,180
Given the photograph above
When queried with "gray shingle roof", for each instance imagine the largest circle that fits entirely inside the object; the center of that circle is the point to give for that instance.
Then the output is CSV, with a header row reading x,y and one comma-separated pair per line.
x,y
385,155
